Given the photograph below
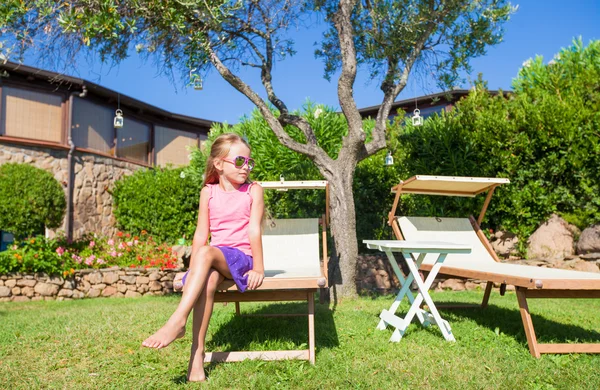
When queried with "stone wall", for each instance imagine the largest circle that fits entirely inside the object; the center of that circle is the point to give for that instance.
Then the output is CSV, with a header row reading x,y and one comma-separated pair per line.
x,y
92,204
109,282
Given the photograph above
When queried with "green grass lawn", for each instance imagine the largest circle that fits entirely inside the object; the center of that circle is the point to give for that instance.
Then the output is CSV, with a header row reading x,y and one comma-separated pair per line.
x,y
96,344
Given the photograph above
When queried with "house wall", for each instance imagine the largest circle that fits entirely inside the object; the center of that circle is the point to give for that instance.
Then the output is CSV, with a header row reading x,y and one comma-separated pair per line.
x,y
92,203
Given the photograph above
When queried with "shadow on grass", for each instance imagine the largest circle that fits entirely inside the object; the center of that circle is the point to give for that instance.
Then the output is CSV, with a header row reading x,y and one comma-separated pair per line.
x,y
285,333
509,322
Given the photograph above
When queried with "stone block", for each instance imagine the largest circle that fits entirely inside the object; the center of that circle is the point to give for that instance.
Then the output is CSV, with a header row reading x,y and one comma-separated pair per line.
x,y
154,276
4,291
121,287
109,291
132,294
110,278
69,284
16,291
56,280
155,286
27,291
453,284
10,283
65,293
95,277
46,289
93,293
142,280
25,282
129,279
20,298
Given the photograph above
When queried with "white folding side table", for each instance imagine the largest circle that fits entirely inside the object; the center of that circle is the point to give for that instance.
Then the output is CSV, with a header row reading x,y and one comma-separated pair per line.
x,y
408,249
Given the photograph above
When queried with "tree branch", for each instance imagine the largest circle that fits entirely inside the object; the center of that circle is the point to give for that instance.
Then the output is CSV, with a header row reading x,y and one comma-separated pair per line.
x,y
391,90
312,150
343,25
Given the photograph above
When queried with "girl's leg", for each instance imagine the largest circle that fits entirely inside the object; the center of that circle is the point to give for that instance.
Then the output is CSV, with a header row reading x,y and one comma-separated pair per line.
x,y
202,313
201,263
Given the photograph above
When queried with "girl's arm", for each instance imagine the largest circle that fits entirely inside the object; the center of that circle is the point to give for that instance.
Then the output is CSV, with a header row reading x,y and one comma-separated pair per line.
x,y
202,227
257,274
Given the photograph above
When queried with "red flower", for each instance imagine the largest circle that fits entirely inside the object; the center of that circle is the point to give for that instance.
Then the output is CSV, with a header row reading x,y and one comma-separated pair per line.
x,y
128,235
119,234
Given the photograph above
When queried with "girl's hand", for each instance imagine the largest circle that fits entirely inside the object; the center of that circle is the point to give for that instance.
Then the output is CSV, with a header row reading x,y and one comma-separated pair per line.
x,y
255,279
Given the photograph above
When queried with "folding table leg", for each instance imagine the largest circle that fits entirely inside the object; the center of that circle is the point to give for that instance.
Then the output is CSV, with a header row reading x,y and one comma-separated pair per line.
x,y
404,290
423,288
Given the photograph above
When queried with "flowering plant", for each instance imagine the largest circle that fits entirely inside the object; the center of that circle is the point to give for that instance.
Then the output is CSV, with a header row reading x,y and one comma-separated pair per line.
x,y
60,256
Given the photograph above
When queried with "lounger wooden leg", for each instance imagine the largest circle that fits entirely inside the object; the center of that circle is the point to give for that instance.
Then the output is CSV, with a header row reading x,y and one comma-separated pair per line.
x,y
527,323
237,308
311,327
486,295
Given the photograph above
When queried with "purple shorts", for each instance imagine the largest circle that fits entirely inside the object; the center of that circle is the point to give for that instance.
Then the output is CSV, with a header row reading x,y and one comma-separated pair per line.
x,y
238,262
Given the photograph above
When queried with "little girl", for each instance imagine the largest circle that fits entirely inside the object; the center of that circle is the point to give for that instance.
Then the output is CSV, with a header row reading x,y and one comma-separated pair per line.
x,y
231,209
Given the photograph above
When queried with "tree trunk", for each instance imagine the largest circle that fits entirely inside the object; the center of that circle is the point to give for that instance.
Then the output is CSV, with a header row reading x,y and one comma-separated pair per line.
x,y
344,254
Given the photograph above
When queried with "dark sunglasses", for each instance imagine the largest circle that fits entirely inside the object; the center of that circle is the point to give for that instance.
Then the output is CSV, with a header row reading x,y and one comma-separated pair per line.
x,y
240,161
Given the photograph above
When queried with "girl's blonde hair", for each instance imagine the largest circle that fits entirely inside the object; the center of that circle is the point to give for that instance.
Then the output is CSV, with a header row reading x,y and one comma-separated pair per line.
x,y
220,149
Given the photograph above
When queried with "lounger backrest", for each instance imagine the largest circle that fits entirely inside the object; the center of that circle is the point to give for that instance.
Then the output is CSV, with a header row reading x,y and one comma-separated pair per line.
x,y
291,247
453,230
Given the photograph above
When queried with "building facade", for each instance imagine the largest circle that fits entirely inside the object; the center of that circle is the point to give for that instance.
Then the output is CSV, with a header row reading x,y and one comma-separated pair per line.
x,y
65,125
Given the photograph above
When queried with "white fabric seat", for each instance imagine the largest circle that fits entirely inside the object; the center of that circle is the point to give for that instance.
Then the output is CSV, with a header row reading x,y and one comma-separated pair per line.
x,y
460,231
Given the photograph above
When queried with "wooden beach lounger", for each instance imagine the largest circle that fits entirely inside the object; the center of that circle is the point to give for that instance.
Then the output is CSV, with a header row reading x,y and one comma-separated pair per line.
x,y
482,263
293,272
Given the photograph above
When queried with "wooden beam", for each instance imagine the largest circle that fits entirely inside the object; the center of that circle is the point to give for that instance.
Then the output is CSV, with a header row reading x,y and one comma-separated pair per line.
x,y
486,203
569,348
238,356
262,296
483,239
562,293
311,328
527,323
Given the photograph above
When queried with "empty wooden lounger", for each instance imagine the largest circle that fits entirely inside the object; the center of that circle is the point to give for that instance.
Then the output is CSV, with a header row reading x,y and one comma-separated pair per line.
x,y
482,263
293,272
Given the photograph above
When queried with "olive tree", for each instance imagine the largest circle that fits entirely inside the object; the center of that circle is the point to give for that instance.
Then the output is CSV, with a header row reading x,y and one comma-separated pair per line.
x,y
389,39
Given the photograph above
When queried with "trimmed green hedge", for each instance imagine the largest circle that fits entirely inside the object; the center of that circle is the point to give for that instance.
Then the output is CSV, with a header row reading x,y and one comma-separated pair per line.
x,y
30,199
162,201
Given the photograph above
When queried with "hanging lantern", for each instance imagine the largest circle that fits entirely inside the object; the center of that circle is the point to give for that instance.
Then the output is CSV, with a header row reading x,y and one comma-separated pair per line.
x,y
389,159
118,122
417,119
195,80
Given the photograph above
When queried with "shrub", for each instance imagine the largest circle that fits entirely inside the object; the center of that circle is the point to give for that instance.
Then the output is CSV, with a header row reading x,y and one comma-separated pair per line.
x,y
30,199
162,201
544,137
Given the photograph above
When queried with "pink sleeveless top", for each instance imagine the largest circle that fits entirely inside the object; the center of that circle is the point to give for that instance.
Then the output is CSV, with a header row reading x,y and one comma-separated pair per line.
x,y
229,217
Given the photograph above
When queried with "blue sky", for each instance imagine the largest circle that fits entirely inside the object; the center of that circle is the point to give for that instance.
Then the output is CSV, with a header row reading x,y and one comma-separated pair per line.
x,y
537,28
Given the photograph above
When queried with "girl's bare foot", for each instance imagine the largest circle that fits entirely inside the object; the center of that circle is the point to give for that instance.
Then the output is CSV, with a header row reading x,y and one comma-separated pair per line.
x,y
171,331
196,366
